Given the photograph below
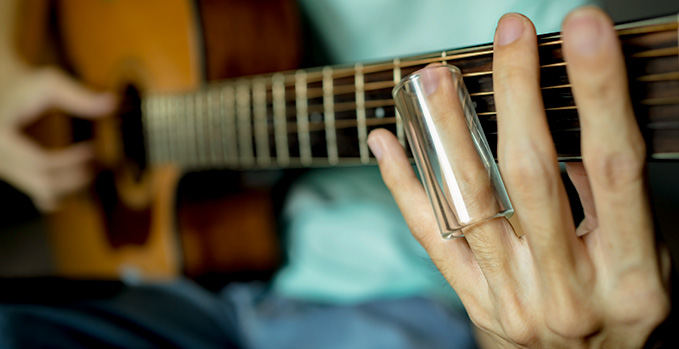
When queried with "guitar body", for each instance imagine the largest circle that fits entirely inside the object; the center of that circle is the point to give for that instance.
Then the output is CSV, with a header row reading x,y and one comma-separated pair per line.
x,y
126,224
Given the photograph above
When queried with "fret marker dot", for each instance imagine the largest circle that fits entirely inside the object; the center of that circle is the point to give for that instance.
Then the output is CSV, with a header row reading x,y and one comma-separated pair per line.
x,y
315,117
379,113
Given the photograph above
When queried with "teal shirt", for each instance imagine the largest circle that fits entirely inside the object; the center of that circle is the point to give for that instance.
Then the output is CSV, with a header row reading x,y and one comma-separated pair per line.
x,y
347,241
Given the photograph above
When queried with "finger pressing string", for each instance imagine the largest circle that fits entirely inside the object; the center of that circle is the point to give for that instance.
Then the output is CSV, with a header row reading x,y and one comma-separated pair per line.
x,y
529,166
465,193
614,157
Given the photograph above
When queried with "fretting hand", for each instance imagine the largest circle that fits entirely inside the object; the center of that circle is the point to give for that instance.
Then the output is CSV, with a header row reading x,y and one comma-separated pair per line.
x,y
602,284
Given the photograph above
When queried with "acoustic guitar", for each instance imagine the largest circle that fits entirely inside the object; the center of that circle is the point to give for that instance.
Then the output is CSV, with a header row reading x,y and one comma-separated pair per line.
x,y
173,122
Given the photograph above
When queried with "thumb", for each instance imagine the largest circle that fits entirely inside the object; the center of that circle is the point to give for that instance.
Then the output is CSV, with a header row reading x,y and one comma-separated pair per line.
x,y
62,92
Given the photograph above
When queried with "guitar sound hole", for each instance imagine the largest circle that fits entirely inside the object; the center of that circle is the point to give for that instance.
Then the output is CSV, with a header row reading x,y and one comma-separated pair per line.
x,y
124,225
132,131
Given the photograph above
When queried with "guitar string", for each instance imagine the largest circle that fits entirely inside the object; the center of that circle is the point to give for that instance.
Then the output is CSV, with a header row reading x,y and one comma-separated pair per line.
x,y
377,103
315,126
385,102
381,85
340,72
386,84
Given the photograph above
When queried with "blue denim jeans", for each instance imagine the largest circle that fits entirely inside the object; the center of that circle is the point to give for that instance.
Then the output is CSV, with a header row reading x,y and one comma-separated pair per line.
x,y
182,314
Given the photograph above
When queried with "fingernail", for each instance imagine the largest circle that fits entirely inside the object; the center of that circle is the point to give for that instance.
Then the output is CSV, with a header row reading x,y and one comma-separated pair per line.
x,y
375,146
583,31
429,80
509,29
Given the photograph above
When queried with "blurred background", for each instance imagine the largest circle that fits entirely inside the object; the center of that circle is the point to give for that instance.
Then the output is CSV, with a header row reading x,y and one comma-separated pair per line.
x,y
25,250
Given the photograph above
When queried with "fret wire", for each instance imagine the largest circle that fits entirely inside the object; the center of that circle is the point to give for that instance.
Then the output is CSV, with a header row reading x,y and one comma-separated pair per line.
x,y
208,130
244,122
201,147
190,130
302,117
261,127
159,132
361,115
161,129
229,126
221,115
399,121
155,146
159,121
172,128
443,57
150,109
148,129
328,106
214,125
280,122
176,133
180,112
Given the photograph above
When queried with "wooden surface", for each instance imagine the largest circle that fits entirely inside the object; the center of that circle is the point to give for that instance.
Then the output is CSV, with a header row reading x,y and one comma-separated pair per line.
x,y
111,45
127,224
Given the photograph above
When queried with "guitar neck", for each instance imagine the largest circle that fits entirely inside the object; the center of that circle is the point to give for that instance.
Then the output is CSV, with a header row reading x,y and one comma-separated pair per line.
x,y
322,116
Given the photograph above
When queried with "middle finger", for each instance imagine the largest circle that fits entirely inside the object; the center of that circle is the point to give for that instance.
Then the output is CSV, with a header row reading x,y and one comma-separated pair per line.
x,y
527,155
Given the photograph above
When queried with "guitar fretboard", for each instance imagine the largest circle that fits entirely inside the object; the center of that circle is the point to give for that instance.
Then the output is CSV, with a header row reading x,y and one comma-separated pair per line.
x,y
322,116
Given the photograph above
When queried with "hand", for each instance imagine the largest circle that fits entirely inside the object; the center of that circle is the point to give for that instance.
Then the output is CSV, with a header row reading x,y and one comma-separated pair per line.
x,y
25,94
603,284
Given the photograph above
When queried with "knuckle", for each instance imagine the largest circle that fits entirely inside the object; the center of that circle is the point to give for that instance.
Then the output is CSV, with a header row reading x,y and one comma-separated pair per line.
x,y
521,334
572,317
482,320
479,311
618,168
640,300
529,170
517,326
